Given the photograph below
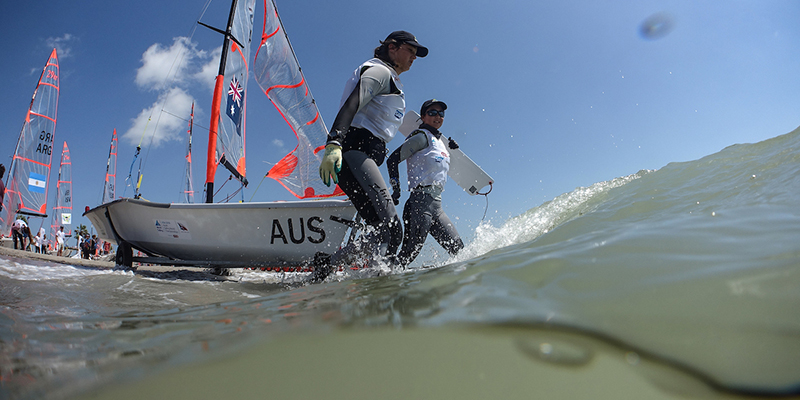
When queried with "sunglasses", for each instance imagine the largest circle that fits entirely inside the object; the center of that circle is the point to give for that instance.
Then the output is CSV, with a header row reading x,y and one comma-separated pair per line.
x,y
433,113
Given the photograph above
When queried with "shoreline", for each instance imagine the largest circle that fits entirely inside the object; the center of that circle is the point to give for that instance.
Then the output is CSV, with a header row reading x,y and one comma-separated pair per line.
x,y
9,252
6,252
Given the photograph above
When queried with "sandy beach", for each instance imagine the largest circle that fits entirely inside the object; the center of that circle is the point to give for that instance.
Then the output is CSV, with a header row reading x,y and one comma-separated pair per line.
x,y
12,253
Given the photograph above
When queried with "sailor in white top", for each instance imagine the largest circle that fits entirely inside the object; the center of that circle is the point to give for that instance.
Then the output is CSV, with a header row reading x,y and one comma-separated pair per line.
x,y
61,238
428,161
371,110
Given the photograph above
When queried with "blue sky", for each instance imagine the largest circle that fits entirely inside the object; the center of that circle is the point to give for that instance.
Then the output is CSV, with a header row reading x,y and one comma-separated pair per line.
x,y
546,96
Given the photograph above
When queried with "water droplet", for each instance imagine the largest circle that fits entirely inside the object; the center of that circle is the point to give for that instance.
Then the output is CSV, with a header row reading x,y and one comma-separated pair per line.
x,y
555,351
632,358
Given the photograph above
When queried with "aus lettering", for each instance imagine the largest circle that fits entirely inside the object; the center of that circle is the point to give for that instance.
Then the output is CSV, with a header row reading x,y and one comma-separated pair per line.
x,y
297,231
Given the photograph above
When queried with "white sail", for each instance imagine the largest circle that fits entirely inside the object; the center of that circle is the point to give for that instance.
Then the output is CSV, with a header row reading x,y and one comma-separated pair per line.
x,y
277,71
62,212
227,127
26,185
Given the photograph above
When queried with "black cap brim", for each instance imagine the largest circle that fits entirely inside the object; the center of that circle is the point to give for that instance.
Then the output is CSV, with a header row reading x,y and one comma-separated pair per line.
x,y
422,51
408,37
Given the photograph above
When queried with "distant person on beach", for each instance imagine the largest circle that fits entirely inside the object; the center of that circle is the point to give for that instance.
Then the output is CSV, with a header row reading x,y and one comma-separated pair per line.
x,y
95,249
42,238
86,247
37,242
28,237
17,234
427,156
61,240
371,110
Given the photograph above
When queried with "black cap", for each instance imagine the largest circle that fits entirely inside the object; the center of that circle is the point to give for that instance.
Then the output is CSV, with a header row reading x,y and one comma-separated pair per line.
x,y
407,37
429,103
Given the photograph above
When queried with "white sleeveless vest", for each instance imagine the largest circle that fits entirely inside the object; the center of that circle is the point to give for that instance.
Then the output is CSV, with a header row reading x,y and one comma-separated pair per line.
x,y
384,113
429,166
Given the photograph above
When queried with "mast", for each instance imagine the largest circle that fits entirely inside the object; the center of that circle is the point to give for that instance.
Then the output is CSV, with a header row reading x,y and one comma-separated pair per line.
x,y
109,187
189,191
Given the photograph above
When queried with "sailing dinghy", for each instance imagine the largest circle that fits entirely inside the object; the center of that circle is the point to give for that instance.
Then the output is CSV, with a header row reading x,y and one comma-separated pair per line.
x,y
26,184
259,234
62,212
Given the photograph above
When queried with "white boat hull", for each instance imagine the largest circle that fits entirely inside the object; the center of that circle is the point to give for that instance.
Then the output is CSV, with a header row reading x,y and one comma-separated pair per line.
x,y
230,234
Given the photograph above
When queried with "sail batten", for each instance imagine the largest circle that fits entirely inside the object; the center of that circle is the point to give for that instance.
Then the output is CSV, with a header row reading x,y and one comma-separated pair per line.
x,y
26,185
278,73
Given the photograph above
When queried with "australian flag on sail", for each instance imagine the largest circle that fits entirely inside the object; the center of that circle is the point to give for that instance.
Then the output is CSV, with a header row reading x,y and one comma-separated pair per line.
x,y
235,99
36,183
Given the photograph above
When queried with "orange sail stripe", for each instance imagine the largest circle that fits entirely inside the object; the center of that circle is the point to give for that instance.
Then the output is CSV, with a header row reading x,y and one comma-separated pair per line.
x,y
32,161
50,84
302,81
43,116
316,117
266,36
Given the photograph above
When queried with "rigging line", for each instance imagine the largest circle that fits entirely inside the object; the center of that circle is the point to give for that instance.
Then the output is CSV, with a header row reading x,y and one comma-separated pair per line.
x,y
487,206
232,195
167,79
204,128
130,171
259,185
223,185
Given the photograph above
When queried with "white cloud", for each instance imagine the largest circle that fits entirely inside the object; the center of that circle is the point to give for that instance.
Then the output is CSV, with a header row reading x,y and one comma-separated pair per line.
x,y
164,67
173,72
63,45
165,126
208,71
278,143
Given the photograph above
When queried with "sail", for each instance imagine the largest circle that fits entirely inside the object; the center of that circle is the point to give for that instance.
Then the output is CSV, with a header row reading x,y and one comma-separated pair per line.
x,y
26,185
62,212
278,73
110,184
227,128
188,190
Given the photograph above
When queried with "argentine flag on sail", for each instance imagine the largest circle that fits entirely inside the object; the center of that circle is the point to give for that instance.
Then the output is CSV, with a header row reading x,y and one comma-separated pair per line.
x,y
36,182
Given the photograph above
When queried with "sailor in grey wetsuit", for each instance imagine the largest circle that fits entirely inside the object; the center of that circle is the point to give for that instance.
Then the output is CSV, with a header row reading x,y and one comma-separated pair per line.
x,y
372,108
427,159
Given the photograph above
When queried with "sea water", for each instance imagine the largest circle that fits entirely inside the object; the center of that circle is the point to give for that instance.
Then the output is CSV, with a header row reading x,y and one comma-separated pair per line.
x,y
679,282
